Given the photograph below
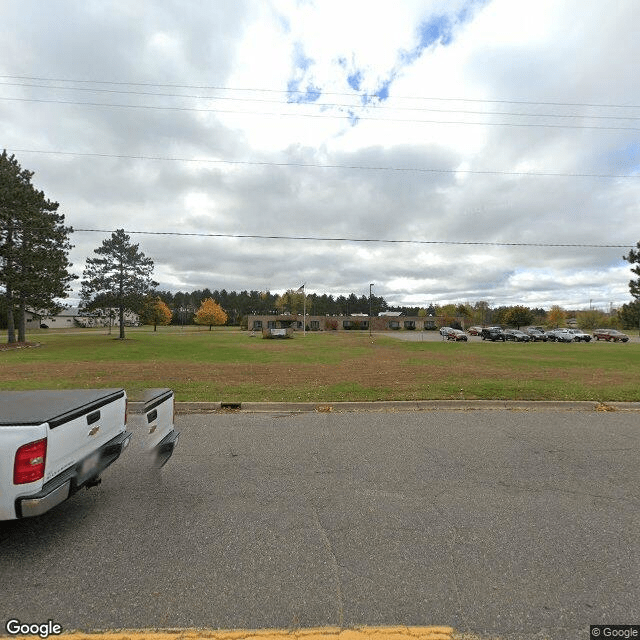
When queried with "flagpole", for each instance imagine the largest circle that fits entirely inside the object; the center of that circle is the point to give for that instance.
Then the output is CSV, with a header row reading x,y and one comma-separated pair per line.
x,y
304,308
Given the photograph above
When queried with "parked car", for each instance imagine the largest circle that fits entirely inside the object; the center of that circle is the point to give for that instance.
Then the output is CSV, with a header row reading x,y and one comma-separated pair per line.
x,y
474,331
444,331
560,335
536,335
516,336
493,333
610,335
457,335
580,336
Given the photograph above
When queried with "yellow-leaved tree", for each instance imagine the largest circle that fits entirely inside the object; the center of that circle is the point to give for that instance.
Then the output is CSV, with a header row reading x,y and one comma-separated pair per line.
x,y
210,312
155,312
556,316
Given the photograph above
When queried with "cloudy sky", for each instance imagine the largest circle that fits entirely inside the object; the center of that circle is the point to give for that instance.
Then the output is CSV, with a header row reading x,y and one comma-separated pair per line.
x,y
461,139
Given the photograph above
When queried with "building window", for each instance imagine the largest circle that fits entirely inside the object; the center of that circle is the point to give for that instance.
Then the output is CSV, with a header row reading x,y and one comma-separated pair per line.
x,y
257,324
410,325
314,325
394,324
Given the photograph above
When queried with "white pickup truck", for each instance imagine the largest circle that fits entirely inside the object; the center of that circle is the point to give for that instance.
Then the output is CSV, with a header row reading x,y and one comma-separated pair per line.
x,y
53,443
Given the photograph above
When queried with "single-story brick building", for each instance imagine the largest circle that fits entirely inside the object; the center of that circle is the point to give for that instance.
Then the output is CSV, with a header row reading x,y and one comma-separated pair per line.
x,y
390,321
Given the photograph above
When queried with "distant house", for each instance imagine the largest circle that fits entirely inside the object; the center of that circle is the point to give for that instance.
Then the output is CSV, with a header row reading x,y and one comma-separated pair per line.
x,y
72,317
36,319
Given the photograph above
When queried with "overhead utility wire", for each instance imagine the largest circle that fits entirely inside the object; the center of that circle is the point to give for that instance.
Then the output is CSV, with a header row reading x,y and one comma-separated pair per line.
x,y
329,116
372,240
374,107
329,93
305,165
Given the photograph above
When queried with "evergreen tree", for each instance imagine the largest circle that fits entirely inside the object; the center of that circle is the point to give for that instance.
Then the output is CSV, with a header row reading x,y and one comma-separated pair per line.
x,y
633,258
121,275
34,246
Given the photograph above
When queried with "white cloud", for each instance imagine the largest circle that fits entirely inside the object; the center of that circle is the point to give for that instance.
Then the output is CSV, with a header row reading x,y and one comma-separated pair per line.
x,y
572,53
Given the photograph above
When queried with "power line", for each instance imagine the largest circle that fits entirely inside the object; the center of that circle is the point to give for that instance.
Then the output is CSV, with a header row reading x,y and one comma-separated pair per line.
x,y
361,106
330,93
323,117
364,240
306,165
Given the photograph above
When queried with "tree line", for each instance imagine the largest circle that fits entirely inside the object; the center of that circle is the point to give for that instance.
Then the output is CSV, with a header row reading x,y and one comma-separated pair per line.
x,y
35,275
239,305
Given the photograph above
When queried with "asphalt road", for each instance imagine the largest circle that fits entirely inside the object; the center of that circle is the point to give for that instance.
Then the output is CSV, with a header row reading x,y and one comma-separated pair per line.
x,y
517,524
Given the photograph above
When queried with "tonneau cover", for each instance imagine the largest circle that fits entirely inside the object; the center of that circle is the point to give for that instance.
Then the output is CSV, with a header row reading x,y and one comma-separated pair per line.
x,y
54,407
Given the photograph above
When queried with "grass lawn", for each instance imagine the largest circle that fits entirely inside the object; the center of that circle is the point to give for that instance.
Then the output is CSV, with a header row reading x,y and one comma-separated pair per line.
x,y
231,366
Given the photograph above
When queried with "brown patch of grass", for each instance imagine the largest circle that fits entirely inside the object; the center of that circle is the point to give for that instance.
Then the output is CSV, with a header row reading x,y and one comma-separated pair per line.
x,y
9,346
344,367
379,369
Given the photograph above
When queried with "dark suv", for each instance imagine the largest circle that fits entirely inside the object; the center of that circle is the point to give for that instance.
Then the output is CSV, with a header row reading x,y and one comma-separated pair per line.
x,y
493,333
536,335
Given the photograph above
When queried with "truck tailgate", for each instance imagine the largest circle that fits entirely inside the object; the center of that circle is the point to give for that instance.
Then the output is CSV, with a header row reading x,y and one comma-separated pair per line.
x,y
157,423
97,417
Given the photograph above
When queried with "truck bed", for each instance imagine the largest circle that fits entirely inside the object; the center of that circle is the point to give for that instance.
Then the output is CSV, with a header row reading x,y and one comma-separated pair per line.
x,y
54,442
55,407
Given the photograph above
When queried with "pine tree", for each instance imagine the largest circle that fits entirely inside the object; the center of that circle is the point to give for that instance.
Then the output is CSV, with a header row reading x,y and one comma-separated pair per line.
x,y
120,276
34,246
633,258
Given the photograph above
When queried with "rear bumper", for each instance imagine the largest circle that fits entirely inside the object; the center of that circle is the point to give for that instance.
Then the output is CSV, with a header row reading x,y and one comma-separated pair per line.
x,y
58,489
164,449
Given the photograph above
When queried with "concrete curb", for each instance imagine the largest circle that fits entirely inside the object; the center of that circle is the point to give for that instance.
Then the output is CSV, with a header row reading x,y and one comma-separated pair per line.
x,y
393,406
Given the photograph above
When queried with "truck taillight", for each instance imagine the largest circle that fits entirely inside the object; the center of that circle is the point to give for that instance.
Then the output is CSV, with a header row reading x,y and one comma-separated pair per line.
x,y
126,410
29,462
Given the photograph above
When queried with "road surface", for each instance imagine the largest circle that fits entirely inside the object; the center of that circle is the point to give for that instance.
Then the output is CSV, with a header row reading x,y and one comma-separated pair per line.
x,y
511,524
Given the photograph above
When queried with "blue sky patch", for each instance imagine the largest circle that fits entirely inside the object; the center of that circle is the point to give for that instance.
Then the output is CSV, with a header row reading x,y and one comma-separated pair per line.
x,y
301,65
438,29
434,30
300,96
383,92
625,160
355,80
300,60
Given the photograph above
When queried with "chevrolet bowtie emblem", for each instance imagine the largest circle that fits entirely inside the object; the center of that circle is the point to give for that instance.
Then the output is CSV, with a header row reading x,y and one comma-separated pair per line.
x,y
94,431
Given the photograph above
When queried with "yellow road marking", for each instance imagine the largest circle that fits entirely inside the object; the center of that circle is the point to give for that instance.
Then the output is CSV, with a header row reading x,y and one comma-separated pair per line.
x,y
320,633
